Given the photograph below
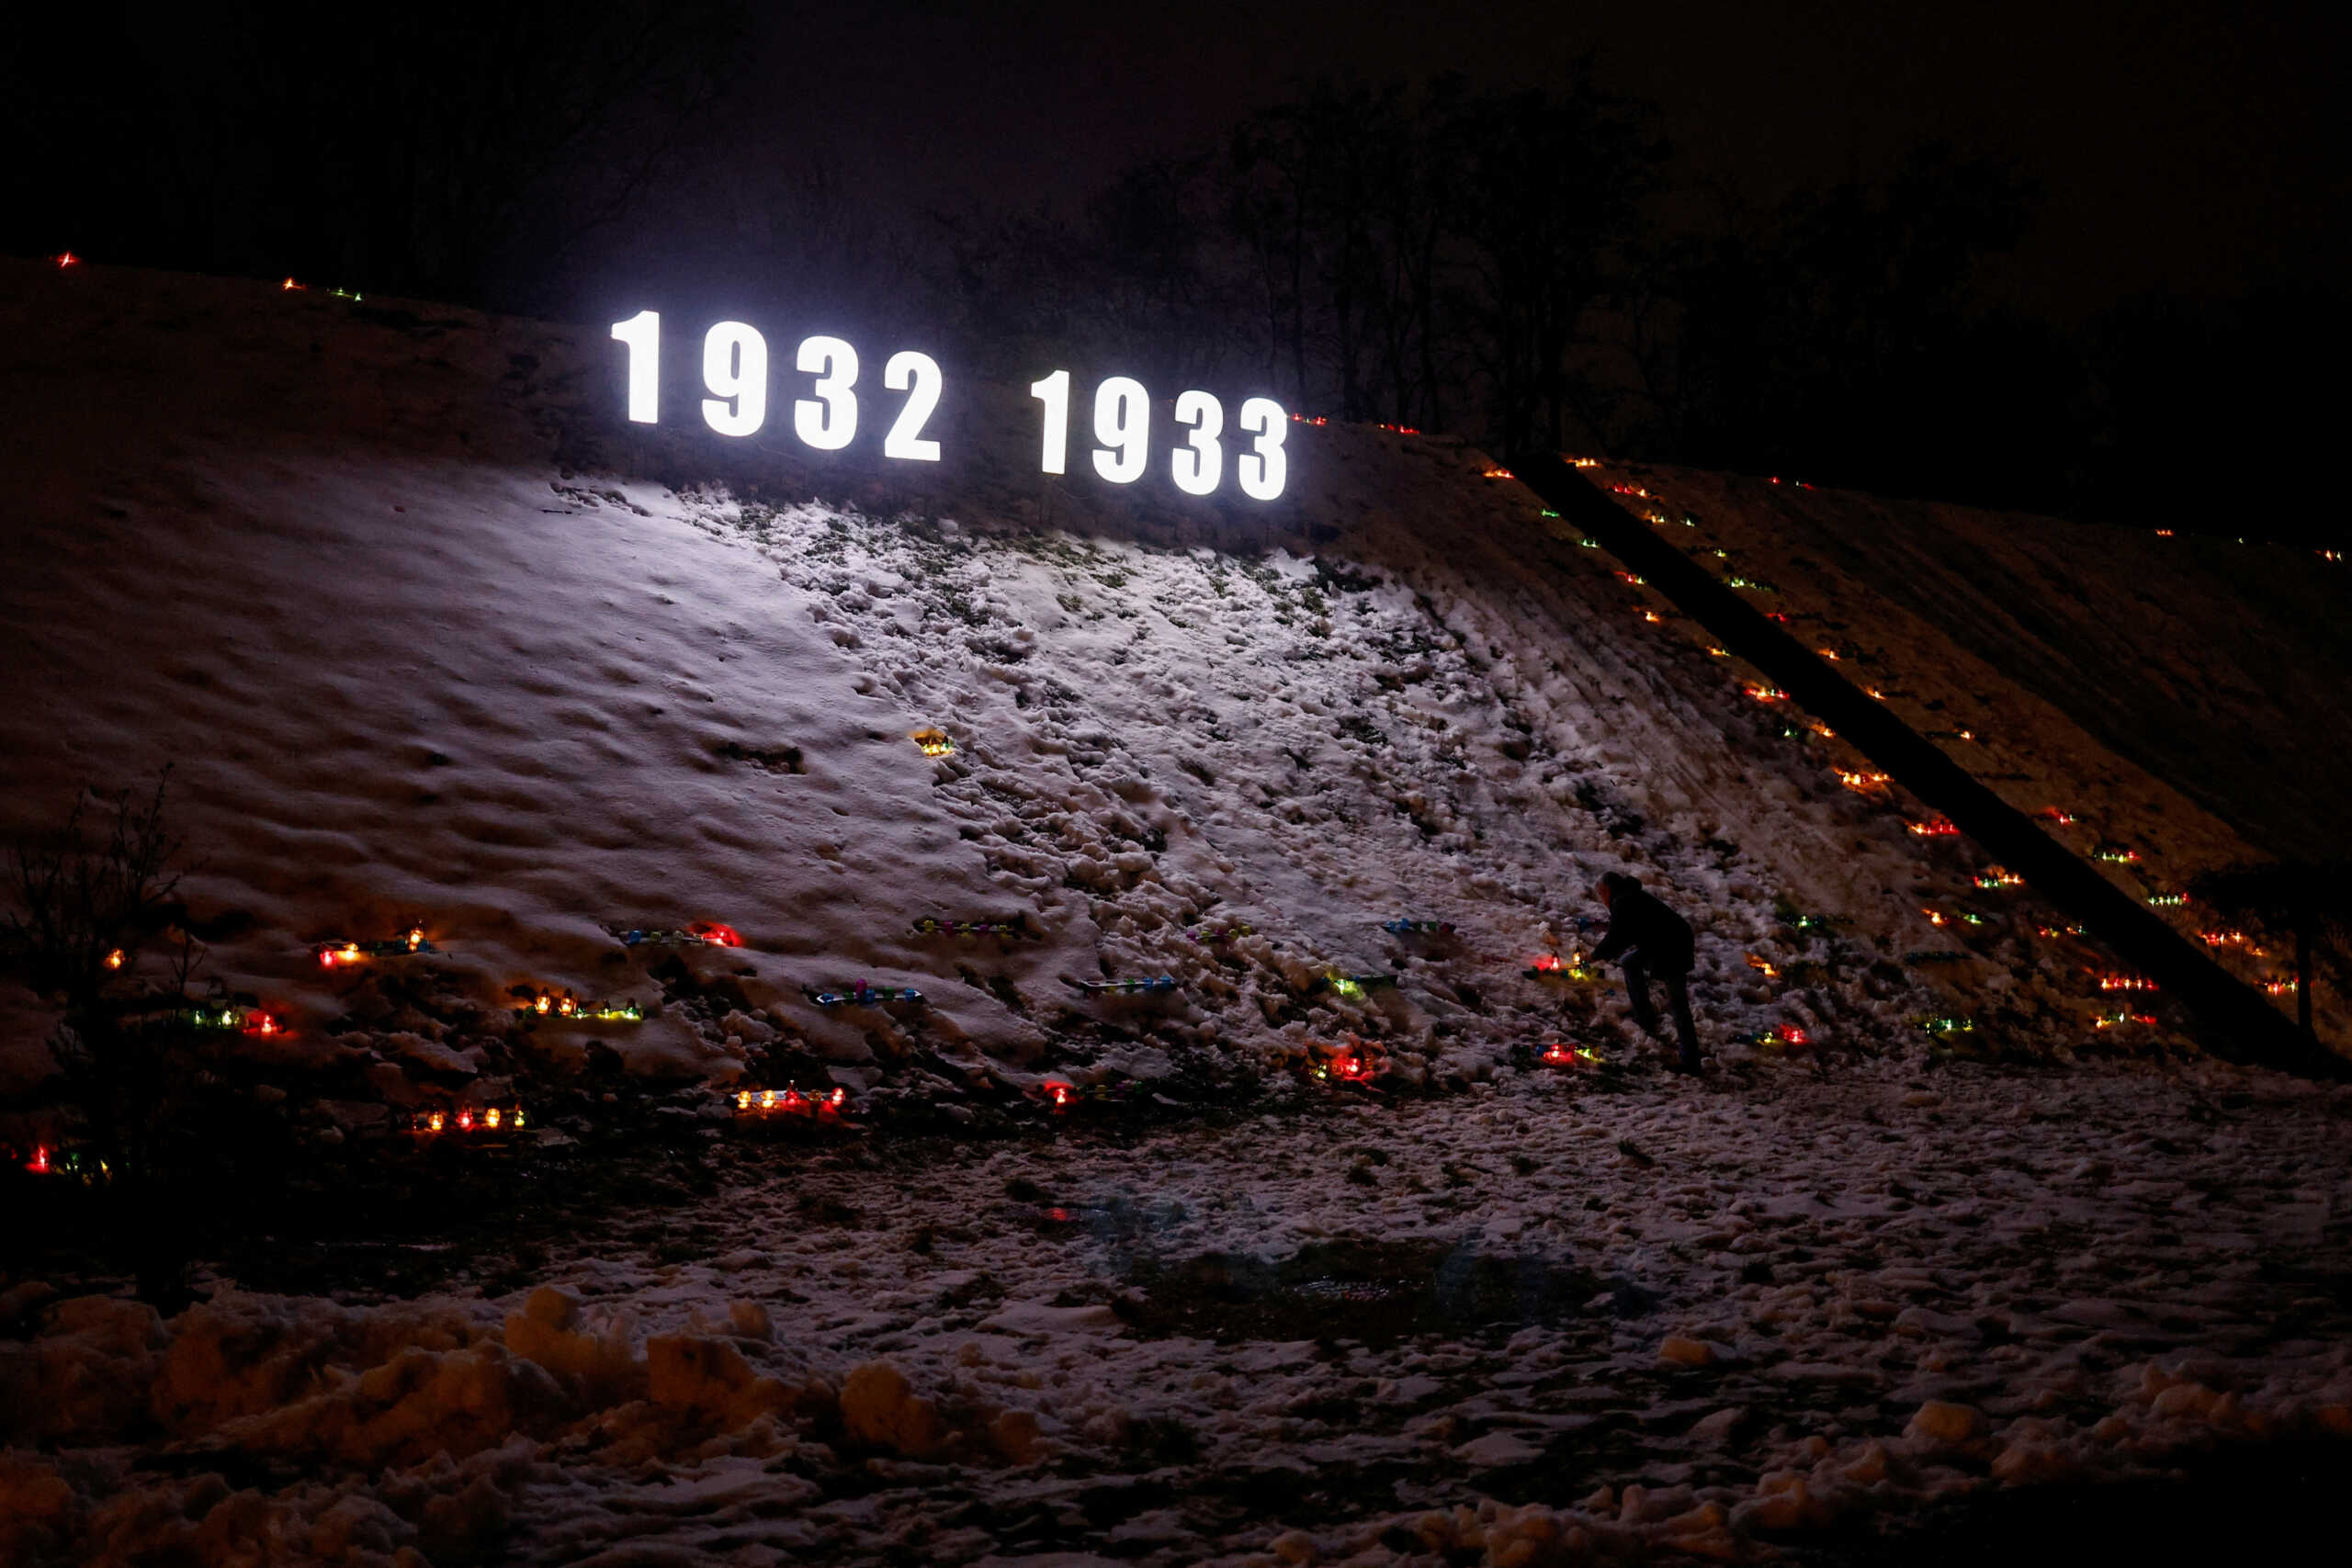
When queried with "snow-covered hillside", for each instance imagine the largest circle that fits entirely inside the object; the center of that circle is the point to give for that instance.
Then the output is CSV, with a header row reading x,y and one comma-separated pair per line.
x,y
429,637
2147,697
2207,661
409,667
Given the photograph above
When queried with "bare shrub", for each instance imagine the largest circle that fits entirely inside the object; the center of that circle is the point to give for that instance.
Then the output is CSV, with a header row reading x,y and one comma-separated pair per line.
x,y
96,929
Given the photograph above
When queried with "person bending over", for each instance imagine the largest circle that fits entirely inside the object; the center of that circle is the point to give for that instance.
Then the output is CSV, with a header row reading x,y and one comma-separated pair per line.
x,y
1654,940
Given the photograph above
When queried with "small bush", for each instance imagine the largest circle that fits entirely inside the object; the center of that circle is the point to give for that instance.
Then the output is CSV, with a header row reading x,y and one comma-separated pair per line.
x,y
95,930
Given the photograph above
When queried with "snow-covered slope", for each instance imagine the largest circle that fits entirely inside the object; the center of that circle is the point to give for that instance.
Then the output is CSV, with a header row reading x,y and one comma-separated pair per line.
x,y
2211,664
333,564
338,566
2160,702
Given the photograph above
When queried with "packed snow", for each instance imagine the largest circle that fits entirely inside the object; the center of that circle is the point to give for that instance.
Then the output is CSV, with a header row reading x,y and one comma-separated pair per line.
x,y
1545,1310
429,638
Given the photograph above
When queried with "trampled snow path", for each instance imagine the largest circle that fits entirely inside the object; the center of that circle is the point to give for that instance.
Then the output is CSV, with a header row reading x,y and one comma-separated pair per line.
x,y
1701,1316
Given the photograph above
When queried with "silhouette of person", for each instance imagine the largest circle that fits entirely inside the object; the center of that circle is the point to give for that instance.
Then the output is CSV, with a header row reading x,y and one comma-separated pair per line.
x,y
1654,940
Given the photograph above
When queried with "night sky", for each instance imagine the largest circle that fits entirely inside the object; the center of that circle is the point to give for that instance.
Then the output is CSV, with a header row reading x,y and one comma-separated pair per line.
x,y
2188,149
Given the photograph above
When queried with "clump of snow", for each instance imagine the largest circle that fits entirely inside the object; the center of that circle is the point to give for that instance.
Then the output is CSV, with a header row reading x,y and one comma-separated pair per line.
x,y
880,1408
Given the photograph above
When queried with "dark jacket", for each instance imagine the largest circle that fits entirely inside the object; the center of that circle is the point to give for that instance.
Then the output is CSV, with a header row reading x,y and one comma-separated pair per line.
x,y
1639,921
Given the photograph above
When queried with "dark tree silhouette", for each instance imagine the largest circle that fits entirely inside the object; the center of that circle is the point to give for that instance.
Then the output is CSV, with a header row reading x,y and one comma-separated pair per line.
x,y
1420,257
91,902
398,149
2180,392
2308,897
1552,185
1840,332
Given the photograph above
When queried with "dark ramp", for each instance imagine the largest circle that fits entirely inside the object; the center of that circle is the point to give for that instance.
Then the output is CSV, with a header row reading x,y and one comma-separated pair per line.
x,y
2237,1023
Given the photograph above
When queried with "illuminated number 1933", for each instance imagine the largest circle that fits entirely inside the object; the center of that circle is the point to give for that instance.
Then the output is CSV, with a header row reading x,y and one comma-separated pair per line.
x,y
1123,430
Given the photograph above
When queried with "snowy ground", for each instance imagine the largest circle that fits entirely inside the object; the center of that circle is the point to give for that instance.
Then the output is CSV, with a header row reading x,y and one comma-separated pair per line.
x,y
1559,1314
428,638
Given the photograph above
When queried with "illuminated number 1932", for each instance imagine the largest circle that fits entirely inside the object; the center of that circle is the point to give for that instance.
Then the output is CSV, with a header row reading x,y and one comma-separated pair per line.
x,y
735,372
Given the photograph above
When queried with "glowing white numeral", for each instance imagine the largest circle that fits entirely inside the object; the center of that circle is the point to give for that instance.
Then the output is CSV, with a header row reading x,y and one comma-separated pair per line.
x,y
1054,392
1122,424
1262,468
642,332
1199,462
923,371
735,368
827,423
